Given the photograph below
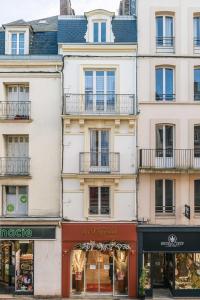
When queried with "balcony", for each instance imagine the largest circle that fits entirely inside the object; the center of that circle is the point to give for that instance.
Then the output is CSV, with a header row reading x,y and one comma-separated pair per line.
x,y
196,45
165,44
99,162
100,104
165,97
197,96
15,110
169,159
14,166
169,209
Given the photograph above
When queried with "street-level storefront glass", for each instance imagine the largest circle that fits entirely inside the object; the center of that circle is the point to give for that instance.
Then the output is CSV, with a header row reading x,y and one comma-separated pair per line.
x,y
100,272
16,266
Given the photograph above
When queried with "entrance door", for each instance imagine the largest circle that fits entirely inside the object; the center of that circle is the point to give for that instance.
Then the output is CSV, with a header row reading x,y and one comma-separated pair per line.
x,y
165,146
99,151
158,269
99,272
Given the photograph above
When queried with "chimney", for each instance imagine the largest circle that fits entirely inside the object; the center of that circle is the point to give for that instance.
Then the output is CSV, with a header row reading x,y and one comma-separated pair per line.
x,y
66,8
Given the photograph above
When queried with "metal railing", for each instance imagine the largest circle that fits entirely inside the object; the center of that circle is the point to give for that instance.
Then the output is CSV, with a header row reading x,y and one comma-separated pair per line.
x,y
93,210
165,97
196,42
169,159
15,110
168,209
197,209
196,96
100,104
99,162
165,42
14,166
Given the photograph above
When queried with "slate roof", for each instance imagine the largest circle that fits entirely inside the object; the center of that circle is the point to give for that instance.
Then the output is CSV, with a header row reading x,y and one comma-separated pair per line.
x,y
73,30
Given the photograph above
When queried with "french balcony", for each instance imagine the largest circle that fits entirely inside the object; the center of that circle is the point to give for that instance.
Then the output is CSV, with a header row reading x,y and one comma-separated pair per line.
x,y
196,45
169,159
14,166
165,97
15,110
165,44
99,162
168,209
100,104
197,96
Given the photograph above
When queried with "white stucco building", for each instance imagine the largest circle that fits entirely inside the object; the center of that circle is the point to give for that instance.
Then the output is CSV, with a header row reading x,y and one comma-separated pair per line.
x,y
30,158
99,137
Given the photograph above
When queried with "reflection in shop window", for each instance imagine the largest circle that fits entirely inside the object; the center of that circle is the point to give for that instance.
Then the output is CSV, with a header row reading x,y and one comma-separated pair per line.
x,y
147,270
187,272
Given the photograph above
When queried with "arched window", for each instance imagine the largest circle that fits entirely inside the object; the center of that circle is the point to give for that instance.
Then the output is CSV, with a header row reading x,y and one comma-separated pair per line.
x,y
165,84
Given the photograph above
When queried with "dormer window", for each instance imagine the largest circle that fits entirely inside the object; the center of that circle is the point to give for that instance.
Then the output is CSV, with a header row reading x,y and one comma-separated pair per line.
x,y
17,43
99,32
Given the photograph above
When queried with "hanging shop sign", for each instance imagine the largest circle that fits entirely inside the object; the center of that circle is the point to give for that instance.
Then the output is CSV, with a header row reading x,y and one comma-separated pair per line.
x,y
103,246
27,233
187,211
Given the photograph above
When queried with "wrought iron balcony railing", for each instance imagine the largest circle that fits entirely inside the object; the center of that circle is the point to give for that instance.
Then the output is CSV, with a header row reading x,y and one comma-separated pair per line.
x,y
99,162
169,209
94,210
15,110
196,96
14,166
100,104
197,209
165,42
196,42
169,159
165,97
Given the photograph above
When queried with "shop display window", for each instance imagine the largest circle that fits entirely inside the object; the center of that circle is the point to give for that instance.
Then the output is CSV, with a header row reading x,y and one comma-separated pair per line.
x,y
24,266
147,269
187,271
100,272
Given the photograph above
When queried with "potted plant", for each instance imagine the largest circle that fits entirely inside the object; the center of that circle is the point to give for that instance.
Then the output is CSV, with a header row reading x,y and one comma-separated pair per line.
x,y
142,281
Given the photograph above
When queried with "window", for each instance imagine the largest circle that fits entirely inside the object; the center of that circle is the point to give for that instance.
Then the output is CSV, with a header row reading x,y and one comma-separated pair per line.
x,y
17,146
197,84
99,32
197,141
197,196
17,43
165,84
99,150
165,31
100,91
164,140
164,191
197,31
17,92
99,200
16,200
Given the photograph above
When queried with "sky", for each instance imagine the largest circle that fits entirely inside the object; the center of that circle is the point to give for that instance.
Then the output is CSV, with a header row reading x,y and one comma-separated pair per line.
x,y
11,10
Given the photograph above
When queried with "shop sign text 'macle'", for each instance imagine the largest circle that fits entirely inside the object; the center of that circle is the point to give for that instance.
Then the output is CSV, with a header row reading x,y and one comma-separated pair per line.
x,y
18,233
100,231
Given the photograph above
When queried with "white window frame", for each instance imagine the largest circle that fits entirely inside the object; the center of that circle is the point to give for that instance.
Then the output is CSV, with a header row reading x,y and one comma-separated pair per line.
x,y
164,199
18,34
18,87
164,81
17,196
166,48
99,201
99,22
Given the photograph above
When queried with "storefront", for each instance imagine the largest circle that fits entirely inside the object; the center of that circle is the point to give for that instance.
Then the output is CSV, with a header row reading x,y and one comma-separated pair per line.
x,y
99,259
17,256
170,258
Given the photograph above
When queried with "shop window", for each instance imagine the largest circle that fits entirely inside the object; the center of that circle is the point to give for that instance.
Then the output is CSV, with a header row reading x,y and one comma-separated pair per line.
x,y
100,272
99,200
187,271
197,196
16,266
16,200
164,194
147,270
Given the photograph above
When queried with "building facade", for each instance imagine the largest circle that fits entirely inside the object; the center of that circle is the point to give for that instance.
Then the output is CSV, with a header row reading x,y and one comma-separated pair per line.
x,y
168,135
30,160
99,240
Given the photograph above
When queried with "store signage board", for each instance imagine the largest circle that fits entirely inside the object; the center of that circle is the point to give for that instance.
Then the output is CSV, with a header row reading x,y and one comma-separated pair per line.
x,y
27,233
171,241
187,211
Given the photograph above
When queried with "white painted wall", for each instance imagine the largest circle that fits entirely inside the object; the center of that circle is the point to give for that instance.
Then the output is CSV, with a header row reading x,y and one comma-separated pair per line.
x,y
47,266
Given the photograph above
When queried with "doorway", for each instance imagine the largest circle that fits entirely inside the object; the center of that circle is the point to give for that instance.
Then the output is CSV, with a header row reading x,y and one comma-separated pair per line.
x,y
97,272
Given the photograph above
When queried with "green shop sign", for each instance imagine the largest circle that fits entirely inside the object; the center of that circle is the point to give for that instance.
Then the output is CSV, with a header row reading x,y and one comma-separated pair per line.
x,y
27,233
